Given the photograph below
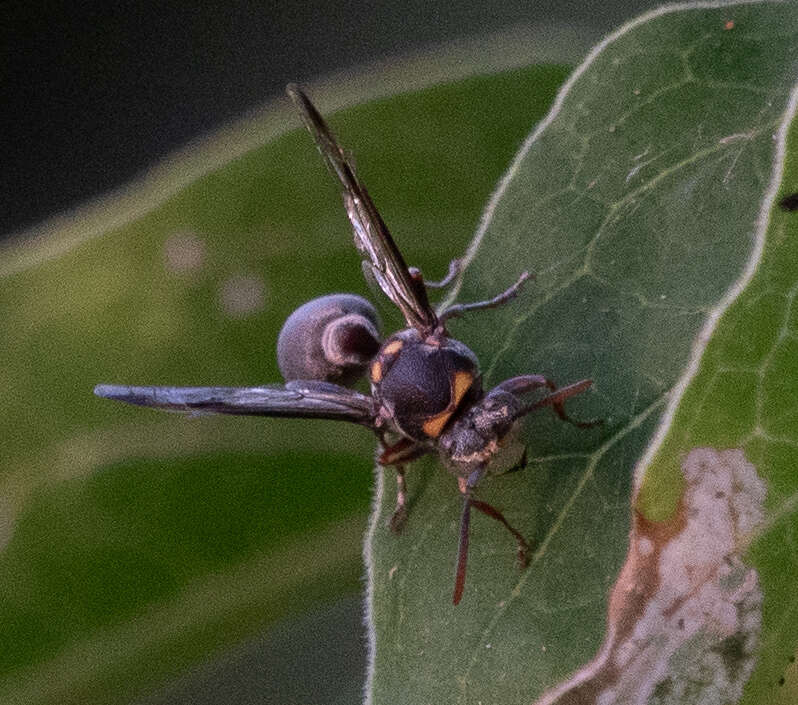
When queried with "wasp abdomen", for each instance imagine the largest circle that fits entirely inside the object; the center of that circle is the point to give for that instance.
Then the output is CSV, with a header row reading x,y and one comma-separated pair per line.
x,y
331,338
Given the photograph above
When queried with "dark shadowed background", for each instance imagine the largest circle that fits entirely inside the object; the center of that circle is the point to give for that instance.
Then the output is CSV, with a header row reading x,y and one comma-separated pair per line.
x,y
95,92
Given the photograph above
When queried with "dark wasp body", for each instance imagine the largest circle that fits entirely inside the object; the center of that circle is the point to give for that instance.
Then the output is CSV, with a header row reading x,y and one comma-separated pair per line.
x,y
426,388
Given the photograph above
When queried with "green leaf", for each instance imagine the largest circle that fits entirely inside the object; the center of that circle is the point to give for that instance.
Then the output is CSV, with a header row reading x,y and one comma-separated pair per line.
x,y
744,395
136,544
640,202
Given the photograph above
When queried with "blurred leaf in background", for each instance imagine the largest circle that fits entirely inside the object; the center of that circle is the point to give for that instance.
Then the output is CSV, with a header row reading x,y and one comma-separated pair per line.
x,y
137,544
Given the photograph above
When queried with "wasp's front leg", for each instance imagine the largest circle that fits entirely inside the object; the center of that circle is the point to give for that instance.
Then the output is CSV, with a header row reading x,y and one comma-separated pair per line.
x,y
523,384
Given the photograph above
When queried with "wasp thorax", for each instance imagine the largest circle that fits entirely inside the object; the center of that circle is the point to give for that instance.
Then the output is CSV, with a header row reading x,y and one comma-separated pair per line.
x,y
420,383
332,338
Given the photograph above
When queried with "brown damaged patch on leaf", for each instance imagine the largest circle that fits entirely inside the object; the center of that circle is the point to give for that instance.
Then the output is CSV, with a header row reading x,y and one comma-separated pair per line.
x,y
685,613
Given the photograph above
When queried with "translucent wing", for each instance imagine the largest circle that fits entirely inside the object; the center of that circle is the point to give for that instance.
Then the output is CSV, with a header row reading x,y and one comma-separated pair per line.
x,y
297,399
371,234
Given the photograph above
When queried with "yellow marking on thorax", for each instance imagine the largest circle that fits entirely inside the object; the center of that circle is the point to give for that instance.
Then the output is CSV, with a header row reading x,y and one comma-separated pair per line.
x,y
376,371
392,348
460,385
433,426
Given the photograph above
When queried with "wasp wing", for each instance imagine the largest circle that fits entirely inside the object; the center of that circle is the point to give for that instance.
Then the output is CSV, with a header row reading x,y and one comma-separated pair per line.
x,y
297,399
371,234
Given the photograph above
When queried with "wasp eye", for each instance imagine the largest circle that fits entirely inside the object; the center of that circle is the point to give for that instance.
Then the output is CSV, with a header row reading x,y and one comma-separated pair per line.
x,y
332,338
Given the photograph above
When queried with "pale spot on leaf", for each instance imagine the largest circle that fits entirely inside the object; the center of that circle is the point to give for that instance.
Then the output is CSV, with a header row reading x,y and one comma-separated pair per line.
x,y
644,546
242,295
183,252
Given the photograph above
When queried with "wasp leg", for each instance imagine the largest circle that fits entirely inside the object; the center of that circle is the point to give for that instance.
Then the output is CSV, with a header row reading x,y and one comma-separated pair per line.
x,y
523,461
398,454
467,489
556,400
523,384
491,511
454,269
504,297
558,397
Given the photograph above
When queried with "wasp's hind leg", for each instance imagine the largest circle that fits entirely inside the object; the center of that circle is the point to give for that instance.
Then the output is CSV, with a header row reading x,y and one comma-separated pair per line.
x,y
459,309
398,454
455,266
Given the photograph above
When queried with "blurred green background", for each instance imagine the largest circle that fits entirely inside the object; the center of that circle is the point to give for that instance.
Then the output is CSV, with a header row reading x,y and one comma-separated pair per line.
x,y
148,558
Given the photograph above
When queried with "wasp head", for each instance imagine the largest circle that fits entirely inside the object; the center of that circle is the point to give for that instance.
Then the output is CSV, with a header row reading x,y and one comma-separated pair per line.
x,y
480,432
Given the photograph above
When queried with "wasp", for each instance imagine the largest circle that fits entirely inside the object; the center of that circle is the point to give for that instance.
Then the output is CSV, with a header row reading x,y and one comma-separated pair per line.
x,y
426,388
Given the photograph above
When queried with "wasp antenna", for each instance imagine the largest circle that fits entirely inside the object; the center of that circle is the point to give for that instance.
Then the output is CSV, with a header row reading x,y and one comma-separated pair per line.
x,y
462,553
467,486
